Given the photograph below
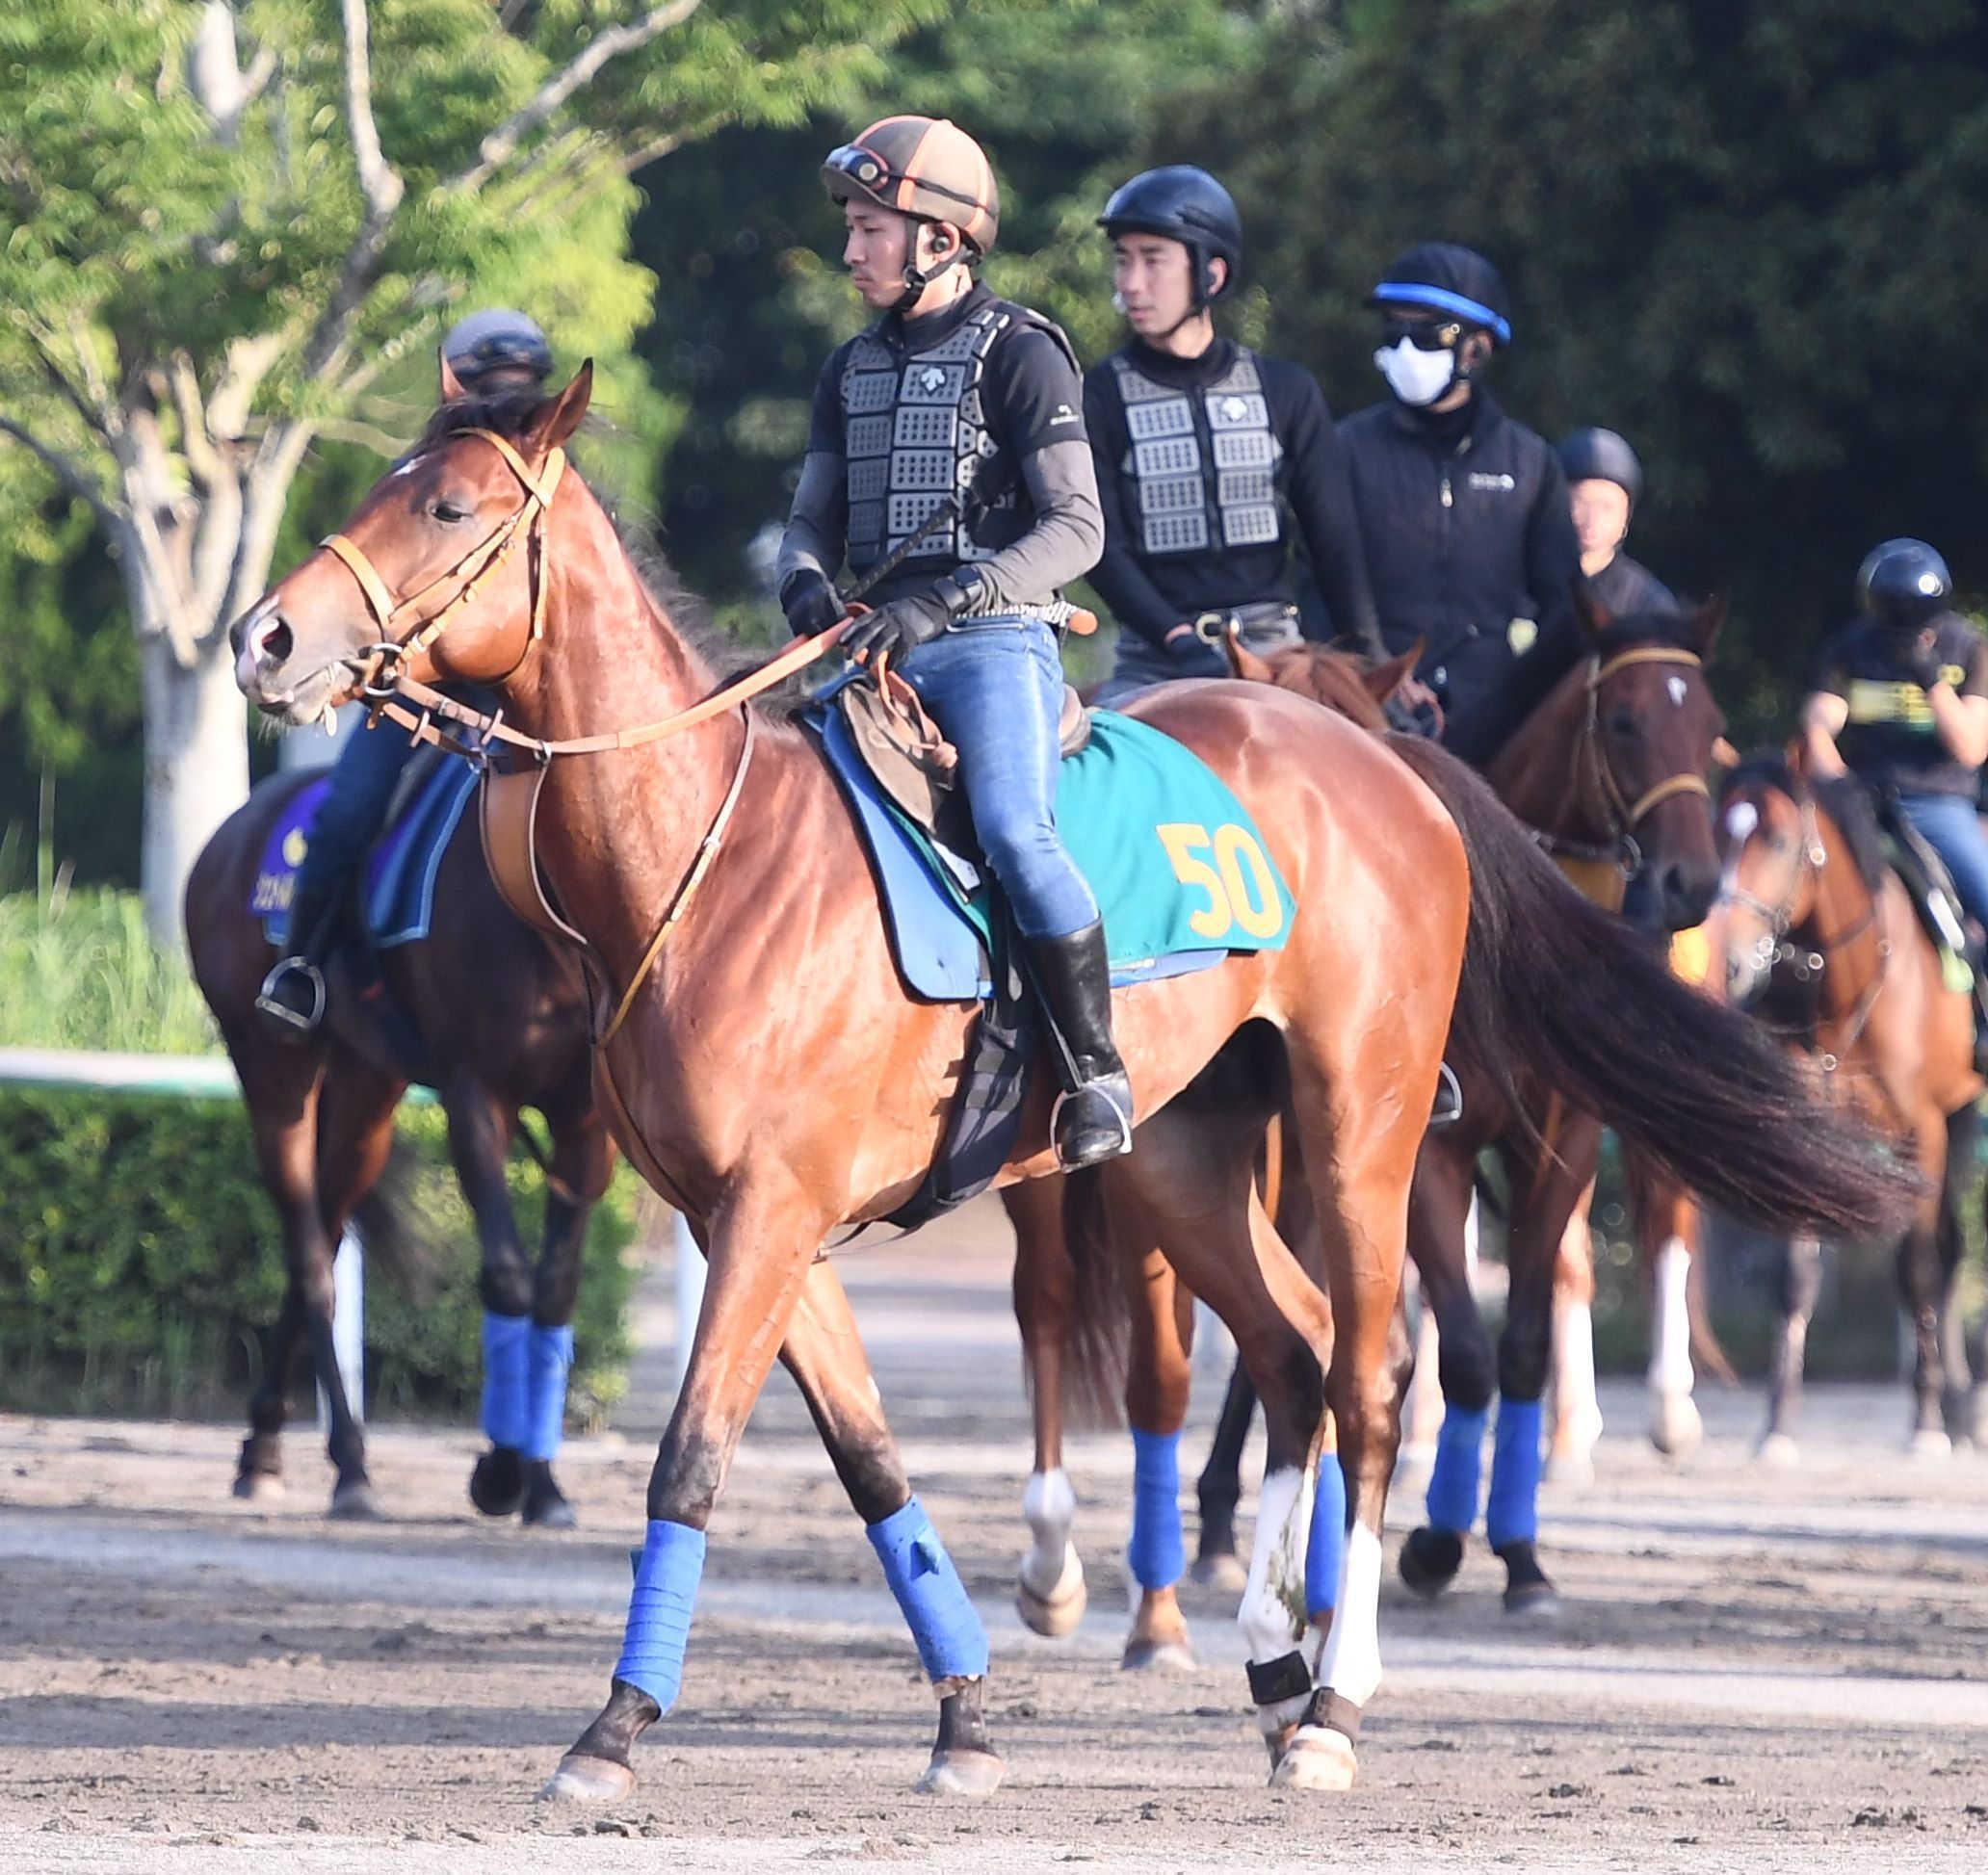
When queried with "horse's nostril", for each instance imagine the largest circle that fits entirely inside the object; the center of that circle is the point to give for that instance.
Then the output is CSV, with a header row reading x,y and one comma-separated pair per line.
x,y
270,640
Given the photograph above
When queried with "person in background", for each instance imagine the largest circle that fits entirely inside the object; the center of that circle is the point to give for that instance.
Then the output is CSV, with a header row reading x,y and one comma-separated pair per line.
x,y
1604,481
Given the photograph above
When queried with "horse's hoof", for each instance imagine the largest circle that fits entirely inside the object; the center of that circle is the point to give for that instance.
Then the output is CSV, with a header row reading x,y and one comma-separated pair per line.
x,y
1675,1425
1221,1571
1779,1451
555,1514
1575,1468
1053,1616
1431,1559
961,1774
497,1484
1929,1446
1532,1601
1318,1758
353,1502
584,1779
1157,1657
260,1488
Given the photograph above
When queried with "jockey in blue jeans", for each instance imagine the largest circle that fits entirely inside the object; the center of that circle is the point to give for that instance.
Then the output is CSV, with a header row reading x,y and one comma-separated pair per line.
x,y
951,434
490,353
1900,699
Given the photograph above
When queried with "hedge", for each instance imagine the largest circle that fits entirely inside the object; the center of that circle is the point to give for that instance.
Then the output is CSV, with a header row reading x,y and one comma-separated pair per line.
x,y
141,1266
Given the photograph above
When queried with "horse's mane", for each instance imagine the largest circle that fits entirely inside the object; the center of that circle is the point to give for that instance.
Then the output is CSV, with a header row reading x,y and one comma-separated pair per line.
x,y
1328,677
1842,797
1659,625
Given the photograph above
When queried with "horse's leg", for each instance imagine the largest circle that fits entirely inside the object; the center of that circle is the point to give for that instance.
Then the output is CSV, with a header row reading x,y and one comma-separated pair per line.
x,y
1957,1390
1438,1208
1923,1275
1547,1181
1219,1487
480,1131
1156,1407
355,1109
1049,1587
1576,1412
1801,1282
1667,1217
582,1159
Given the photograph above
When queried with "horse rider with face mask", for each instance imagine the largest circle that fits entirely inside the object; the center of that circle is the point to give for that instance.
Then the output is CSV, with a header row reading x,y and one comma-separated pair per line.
x,y
1463,512
1900,698
490,353
1207,455
950,432
1604,481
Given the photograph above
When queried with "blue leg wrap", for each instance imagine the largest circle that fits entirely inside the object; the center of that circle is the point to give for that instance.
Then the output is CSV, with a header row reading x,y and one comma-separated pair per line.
x,y
1452,1486
1512,1514
667,1575
506,1350
951,1643
545,1419
1155,1552
1327,1545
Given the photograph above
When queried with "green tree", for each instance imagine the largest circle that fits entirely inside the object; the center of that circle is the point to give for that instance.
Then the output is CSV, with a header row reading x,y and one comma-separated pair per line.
x,y
226,226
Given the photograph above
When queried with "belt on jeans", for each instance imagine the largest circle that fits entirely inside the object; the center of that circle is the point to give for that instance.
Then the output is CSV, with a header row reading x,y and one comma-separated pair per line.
x,y
1053,612
1215,627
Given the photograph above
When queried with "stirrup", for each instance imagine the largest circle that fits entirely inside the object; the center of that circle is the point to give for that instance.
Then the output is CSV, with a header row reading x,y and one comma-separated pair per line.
x,y
303,1023
1118,1114
1449,1106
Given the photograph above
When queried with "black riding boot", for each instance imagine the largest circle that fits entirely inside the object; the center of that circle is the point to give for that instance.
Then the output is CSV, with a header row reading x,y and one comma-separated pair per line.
x,y
292,999
1092,1119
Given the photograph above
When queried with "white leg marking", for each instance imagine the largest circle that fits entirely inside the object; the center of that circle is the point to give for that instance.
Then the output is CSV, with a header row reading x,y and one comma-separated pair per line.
x,y
1670,1351
1272,1614
1051,1568
1575,1406
1351,1666
1425,1394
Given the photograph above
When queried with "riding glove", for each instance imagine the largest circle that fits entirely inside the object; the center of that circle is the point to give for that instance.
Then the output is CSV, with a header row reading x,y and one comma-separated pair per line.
x,y
899,627
810,602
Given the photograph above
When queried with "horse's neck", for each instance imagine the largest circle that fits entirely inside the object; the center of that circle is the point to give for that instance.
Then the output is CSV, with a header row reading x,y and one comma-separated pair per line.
x,y
1542,774
1848,928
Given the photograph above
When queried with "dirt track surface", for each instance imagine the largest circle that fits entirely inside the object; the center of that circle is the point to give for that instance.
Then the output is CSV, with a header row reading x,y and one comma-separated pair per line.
x,y
1753,1671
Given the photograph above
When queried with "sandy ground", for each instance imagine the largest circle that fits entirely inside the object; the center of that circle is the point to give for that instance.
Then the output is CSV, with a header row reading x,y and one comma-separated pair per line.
x,y
1753,1670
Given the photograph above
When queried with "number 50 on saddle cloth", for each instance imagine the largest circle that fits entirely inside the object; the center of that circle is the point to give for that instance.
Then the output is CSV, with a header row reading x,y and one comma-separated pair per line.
x,y
1178,866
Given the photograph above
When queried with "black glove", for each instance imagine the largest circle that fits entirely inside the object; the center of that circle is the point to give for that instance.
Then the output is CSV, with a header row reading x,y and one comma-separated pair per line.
x,y
899,627
810,602
1192,656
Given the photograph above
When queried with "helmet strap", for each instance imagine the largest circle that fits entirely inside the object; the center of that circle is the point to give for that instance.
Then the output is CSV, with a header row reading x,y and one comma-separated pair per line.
x,y
917,279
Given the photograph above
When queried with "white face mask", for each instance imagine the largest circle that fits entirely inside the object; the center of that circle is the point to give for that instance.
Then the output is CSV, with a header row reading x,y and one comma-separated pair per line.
x,y
1416,377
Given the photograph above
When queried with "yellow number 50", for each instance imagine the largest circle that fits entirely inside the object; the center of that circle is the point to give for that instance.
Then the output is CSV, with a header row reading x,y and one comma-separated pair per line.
x,y
1252,903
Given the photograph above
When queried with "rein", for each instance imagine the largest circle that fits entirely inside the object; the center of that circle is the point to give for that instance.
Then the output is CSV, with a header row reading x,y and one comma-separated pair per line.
x,y
1624,815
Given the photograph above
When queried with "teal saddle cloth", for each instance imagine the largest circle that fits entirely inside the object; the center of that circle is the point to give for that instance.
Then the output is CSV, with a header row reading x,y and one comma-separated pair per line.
x,y
1178,868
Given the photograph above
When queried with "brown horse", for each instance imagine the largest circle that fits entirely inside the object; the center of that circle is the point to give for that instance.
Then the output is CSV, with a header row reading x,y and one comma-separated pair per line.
x,y
766,1070
1816,932
498,1019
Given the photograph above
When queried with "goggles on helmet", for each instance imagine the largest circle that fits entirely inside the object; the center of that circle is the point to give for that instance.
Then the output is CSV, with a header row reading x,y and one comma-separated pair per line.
x,y
1424,334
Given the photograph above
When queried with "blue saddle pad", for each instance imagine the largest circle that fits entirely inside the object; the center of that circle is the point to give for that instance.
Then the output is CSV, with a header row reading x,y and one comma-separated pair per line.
x,y
398,894
1179,871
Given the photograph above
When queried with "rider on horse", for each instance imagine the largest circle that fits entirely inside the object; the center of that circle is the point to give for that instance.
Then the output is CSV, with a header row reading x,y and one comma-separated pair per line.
x,y
1463,512
947,464
490,352
1604,481
1206,451
1900,698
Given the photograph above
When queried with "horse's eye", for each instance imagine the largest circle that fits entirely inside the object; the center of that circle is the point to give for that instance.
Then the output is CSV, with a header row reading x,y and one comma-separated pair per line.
x,y
448,513
1623,724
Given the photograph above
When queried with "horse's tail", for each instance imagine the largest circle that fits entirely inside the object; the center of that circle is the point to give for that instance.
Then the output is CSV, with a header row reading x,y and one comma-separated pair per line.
x,y
1563,990
401,1244
1098,1343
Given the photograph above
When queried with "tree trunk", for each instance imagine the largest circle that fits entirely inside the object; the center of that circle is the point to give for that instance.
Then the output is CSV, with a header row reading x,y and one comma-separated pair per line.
x,y
197,769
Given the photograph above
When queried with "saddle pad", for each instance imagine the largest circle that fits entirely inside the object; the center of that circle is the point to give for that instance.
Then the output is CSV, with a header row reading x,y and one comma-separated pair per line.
x,y
1177,865
1922,873
400,868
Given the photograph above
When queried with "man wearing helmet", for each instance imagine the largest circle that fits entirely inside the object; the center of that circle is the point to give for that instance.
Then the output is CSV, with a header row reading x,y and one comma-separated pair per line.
x,y
951,434
487,355
1463,512
1206,453
1604,481
1900,699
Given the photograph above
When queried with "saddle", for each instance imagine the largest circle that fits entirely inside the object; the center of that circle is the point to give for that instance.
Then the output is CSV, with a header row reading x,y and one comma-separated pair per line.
x,y
1929,886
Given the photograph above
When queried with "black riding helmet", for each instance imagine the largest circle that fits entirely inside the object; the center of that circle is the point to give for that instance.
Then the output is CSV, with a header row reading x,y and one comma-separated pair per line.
x,y
1903,583
1602,456
1186,204
1446,279
496,339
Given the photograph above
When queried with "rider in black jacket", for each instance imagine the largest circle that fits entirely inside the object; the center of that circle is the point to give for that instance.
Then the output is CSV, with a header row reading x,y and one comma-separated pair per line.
x,y
1604,481
1464,514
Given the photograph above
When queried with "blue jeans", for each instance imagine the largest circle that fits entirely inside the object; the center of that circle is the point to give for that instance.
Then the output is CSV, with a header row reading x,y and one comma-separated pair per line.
x,y
1951,826
995,689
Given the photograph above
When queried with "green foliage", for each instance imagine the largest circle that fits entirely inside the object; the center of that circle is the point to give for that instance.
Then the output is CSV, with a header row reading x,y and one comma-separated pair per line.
x,y
140,1265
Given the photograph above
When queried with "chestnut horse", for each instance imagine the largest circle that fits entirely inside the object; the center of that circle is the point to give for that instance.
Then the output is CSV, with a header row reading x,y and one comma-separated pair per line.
x,y
498,1019
764,1069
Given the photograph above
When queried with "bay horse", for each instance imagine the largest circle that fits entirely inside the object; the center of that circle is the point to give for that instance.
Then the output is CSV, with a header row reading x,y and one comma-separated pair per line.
x,y
496,1018
764,1069
1816,933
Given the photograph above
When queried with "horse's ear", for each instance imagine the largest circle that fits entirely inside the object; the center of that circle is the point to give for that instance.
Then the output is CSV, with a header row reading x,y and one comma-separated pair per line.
x,y
1594,616
1706,621
452,386
556,423
1384,679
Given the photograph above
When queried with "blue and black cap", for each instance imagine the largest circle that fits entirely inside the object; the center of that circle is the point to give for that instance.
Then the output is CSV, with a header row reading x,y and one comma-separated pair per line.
x,y
1447,278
